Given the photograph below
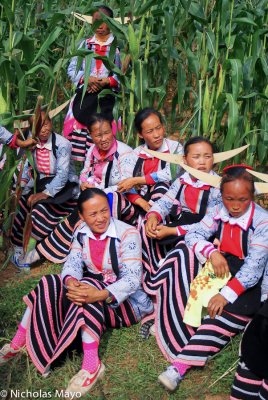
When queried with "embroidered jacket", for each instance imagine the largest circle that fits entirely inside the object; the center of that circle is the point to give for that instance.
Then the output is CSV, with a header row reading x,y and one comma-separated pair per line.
x,y
110,174
97,68
60,167
7,137
190,198
162,171
128,253
255,221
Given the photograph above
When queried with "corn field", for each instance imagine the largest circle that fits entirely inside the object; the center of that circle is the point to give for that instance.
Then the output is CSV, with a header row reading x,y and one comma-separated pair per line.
x,y
204,63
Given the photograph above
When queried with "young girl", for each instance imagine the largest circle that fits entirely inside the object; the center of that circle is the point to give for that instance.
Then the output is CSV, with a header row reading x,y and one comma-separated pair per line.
x,y
186,202
148,177
103,169
78,116
109,295
241,227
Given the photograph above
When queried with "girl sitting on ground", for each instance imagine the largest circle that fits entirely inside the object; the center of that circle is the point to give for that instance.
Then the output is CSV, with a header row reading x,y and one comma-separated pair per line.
x,y
185,203
99,288
241,227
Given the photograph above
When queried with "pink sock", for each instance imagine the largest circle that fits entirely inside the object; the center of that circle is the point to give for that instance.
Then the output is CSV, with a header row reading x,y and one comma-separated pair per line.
x,y
182,368
19,339
91,356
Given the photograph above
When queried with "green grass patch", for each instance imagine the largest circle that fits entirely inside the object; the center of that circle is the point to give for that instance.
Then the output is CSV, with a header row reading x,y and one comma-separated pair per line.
x,y
132,364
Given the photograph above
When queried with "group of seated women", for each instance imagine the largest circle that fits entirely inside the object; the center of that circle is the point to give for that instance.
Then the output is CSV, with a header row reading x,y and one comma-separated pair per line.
x,y
134,244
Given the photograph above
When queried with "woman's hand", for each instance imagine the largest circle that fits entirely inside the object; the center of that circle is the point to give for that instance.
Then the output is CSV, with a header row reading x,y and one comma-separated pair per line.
x,y
94,85
151,225
220,265
86,185
145,205
163,231
34,198
216,304
85,293
25,143
126,185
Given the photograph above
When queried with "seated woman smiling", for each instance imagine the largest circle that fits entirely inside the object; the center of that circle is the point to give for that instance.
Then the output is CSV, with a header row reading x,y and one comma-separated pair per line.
x,y
99,287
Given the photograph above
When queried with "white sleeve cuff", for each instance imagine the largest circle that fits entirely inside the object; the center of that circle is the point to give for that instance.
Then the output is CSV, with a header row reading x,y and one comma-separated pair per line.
x,y
229,294
47,192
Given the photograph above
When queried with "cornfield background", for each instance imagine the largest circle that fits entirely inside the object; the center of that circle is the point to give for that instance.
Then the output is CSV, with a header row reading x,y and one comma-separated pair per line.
x,y
203,63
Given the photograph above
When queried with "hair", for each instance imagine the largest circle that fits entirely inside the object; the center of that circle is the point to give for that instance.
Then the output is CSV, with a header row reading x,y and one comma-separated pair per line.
x,y
98,117
237,172
107,10
88,194
143,114
195,140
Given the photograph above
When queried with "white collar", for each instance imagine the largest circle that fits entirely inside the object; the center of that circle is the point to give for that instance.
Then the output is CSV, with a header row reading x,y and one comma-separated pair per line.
x,y
110,232
197,184
47,145
163,149
243,221
108,41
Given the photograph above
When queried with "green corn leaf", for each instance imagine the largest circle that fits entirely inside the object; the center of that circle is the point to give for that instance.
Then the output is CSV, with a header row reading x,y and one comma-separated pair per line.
x,y
206,108
244,20
211,42
235,67
197,12
8,11
232,122
181,83
88,60
52,37
133,43
144,7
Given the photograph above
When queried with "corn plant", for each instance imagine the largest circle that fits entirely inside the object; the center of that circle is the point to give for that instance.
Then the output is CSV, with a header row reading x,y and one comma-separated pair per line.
x,y
203,63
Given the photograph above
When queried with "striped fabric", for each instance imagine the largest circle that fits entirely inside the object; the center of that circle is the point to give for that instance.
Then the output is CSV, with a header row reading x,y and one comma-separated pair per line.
x,y
81,141
56,246
211,336
55,322
171,285
45,217
247,386
43,160
124,210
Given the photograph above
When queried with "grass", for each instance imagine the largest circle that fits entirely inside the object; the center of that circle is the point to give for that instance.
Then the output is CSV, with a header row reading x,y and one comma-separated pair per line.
x,y
132,365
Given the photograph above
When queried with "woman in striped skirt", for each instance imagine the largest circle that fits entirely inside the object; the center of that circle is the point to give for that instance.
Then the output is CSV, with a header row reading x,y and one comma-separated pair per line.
x,y
186,202
56,187
241,227
99,288
103,169
148,178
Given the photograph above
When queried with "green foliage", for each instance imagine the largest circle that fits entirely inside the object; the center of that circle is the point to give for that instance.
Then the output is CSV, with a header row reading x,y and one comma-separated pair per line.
x,y
132,364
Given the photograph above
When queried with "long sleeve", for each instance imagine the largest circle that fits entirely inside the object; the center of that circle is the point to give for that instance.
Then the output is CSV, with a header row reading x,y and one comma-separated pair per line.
x,y
163,206
130,267
62,169
198,235
73,266
5,136
254,265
